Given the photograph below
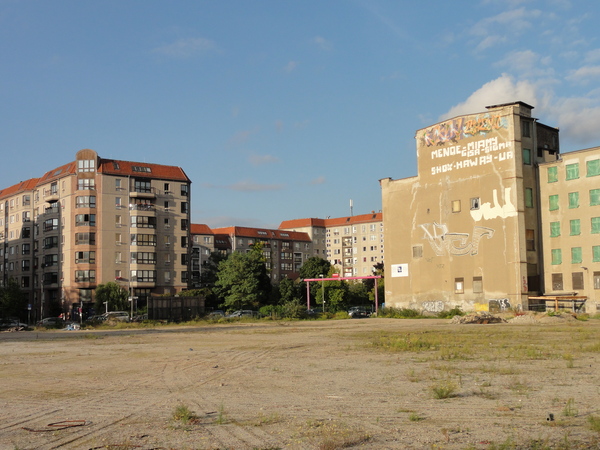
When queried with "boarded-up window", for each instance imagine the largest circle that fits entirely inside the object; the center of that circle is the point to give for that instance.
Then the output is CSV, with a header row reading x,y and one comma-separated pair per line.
x,y
417,251
556,256
577,280
554,229
459,285
557,282
530,239
553,202
455,206
477,285
552,174
573,200
576,257
593,168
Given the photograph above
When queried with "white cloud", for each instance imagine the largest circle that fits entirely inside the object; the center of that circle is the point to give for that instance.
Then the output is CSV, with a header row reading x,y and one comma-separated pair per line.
x,y
322,43
584,74
593,56
186,48
501,90
241,137
259,160
503,27
527,63
318,180
291,66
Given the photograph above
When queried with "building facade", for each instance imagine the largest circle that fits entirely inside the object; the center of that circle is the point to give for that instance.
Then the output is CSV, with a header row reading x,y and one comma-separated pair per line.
x,y
92,221
570,214
466,231
353,244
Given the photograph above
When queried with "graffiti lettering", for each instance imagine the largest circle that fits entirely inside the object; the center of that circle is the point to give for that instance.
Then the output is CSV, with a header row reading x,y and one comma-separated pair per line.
x,y
453,130
499,304
442,242
436,307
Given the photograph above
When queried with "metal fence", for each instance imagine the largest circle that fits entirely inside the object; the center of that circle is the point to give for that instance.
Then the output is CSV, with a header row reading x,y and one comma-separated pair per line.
x,y
175,309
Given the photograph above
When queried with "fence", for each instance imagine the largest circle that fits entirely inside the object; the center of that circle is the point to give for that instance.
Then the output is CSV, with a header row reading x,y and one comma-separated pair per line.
x,y
175,309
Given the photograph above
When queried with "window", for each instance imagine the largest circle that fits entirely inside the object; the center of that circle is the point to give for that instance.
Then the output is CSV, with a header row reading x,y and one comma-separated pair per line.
x,y
185,190
459,285
50,242
85,201
477,285
595,225
142,186
527,156
530,239
184,276
596,253
167,277
572,171
143,258
26,233
144,276
167,188
575,227
455,206
553,200
141,169
552,174
143,222
25,265
118,202
85,276
85,220
573,200
596,280
577,279
25,282
51,224
26,249
475,203
184,207
557,282
143,239
184,259
417,251
26,216
118,184
86,184
184,224
85,257
85,238
556,256
26,200
594,197
554,229
525,128
86,165
528,197
576,255
593,168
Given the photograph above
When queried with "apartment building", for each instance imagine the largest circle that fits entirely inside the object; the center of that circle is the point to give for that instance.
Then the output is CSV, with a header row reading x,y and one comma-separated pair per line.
x,y
284,251
353,244
92,221
203,244
570,214
466,231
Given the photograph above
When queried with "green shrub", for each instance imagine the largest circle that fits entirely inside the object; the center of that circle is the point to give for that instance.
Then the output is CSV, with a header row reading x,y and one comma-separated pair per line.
x,y
456,311
399,313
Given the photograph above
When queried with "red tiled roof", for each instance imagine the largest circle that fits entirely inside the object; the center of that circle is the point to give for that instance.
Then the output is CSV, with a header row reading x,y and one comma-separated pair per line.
x,y
157,171
59,172
262,233
200,228
338,221
26,185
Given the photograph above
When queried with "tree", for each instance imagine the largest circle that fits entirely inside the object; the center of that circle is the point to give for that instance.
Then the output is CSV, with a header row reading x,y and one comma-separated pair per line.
x,y
208,278
13,302
114,295
315,266
242,280
288,291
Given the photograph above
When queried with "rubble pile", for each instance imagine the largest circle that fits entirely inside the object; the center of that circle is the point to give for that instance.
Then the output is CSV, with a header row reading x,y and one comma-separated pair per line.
x,y
477,318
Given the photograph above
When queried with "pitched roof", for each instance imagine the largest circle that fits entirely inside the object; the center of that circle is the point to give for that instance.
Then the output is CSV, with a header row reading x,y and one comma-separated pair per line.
x,y
59,172
262,233
200,228
129,168
338,221
22,186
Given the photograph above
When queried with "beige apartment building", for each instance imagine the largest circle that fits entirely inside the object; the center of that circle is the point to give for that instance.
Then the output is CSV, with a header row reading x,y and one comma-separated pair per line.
x,y
353,244
570,214
466,231
92,221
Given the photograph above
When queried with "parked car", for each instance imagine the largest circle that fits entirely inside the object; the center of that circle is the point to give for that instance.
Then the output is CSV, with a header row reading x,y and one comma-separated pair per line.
x,y
242,313
51,322
140,318
358,312
6,324
119,316
217,313
314,311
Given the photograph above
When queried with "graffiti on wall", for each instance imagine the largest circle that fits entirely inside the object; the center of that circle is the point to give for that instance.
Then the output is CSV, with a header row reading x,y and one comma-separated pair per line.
x,y
443,242
434,307
499,304
476,153
487,211
452,130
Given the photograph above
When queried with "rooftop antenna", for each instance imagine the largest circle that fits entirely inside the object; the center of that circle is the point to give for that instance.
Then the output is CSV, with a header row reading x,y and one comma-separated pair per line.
x,y
351,207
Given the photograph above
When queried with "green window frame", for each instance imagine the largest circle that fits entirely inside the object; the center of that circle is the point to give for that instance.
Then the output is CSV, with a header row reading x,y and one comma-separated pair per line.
x,y
593,168
528,197
554,229
573,200
576,255
572,171
596,253
594,197
595,225
553,201
552,174
527,156
556,256
575,227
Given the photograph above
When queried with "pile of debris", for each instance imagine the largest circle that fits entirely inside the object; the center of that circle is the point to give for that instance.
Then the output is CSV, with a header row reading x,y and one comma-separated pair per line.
x,y
479,318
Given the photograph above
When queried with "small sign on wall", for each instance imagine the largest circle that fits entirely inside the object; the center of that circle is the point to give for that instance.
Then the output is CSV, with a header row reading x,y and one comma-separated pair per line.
x,y
399,270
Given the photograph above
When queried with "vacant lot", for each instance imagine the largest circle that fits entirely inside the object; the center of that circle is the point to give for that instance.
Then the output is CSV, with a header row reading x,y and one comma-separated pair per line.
x,y
371,383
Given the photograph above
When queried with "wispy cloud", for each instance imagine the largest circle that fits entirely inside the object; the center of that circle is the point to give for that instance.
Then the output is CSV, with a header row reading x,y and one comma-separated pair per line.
x,y
291,66
527,63
322,43
186,48
503,27
260,160
241,137
318,180
584,74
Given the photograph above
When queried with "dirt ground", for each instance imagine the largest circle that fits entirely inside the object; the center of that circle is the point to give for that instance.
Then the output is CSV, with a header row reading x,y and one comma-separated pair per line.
x,y
302,385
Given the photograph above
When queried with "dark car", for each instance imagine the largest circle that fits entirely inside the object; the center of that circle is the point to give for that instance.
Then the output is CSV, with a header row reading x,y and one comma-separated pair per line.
x,y
359,312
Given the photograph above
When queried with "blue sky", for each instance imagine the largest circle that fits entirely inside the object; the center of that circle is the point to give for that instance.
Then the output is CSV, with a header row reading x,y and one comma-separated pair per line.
x,y
280,110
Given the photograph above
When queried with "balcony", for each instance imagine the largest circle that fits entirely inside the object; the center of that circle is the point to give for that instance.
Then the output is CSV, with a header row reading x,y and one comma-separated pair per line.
x,y
51,196
143,193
